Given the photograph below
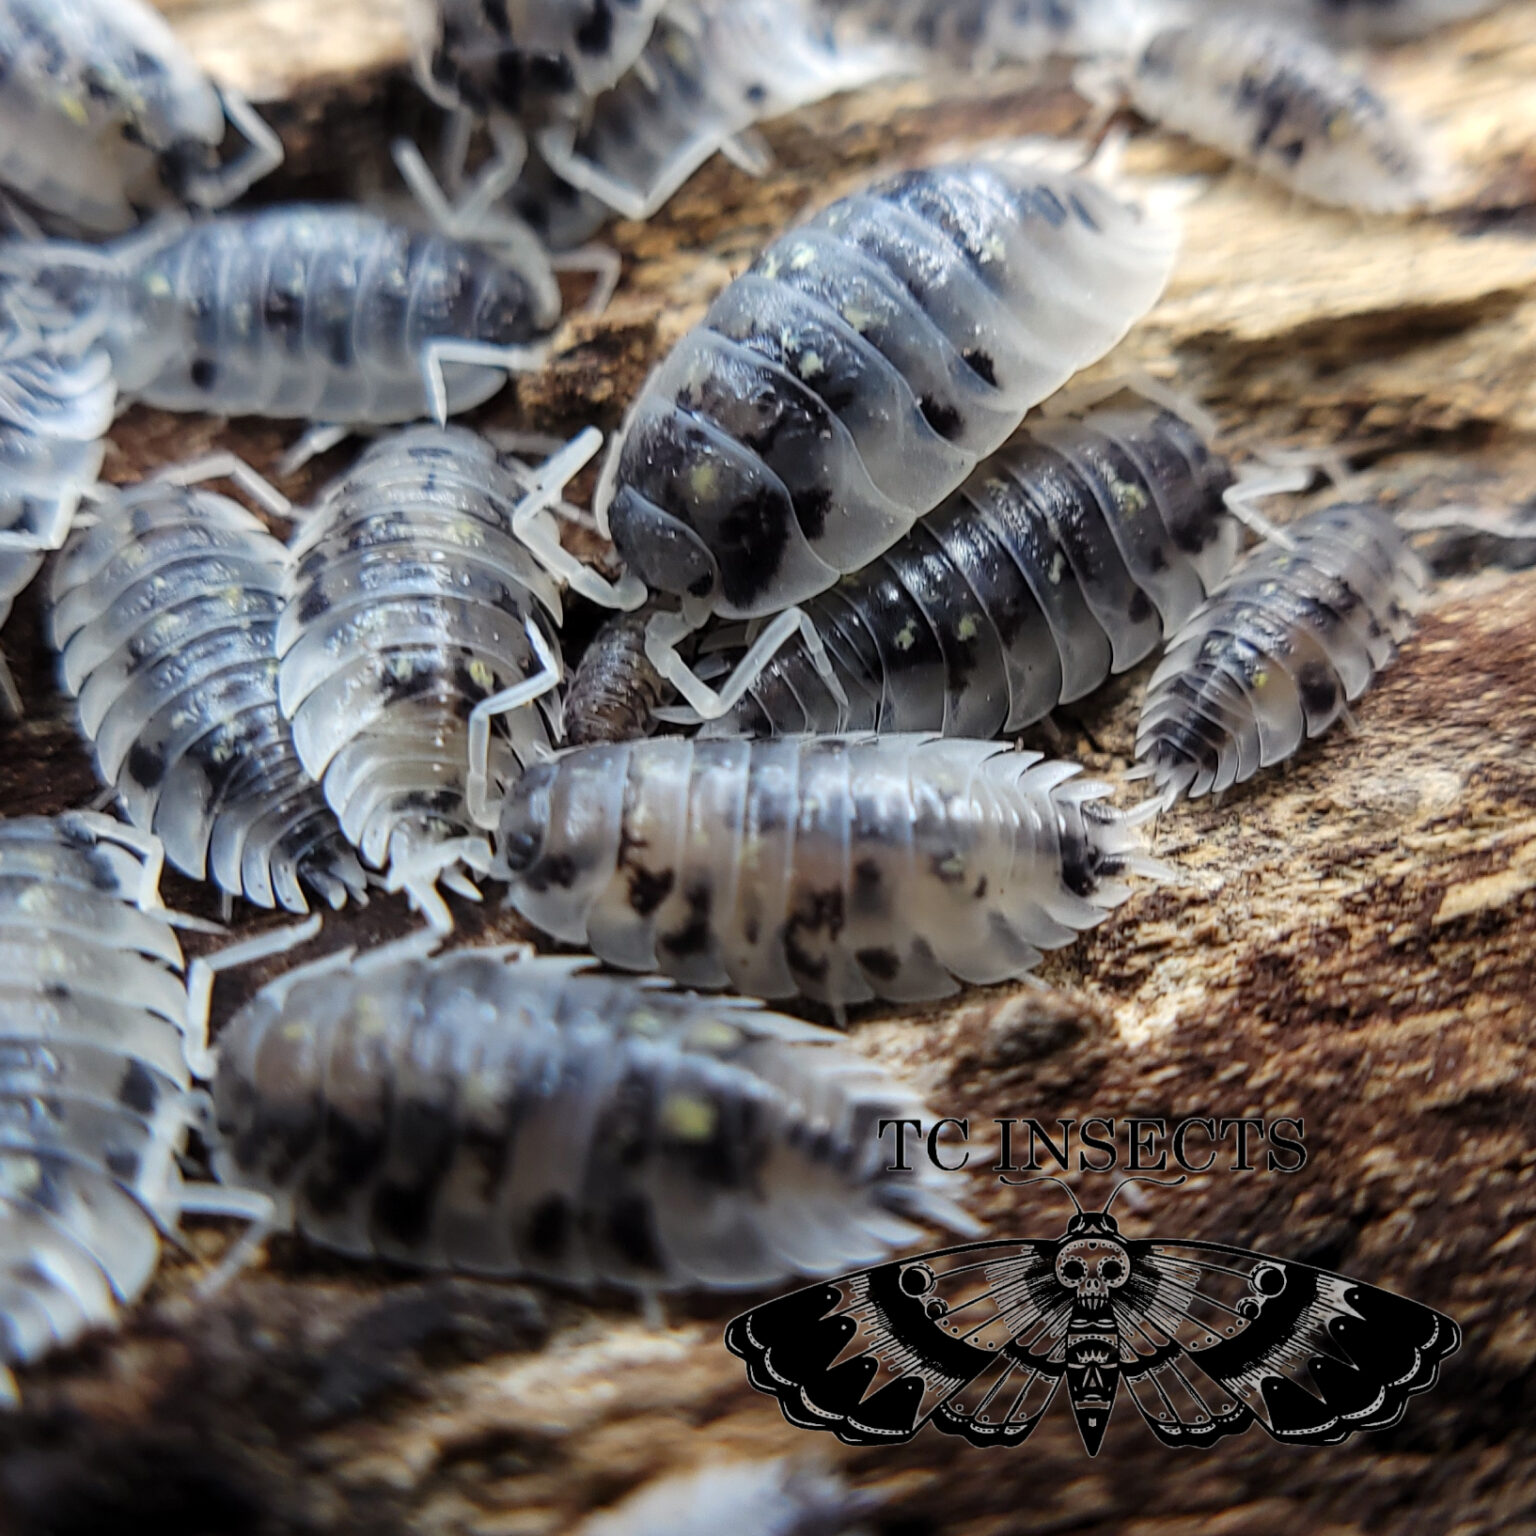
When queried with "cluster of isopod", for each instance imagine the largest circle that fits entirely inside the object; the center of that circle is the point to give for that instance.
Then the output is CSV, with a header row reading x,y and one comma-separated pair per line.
x,y
851,546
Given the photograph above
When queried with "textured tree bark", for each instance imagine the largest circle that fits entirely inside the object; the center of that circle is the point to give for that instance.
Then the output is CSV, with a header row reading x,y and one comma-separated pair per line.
x,y
1352,943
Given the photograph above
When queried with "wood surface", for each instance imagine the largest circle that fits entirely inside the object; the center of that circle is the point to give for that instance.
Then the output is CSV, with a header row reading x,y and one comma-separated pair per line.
x,y
1353,942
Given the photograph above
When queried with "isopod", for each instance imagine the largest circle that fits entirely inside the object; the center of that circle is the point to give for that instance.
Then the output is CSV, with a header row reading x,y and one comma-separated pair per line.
x,y
103,112
854,376
1298,630
416,645
748,1498
1069,555
836,869
164,613
711,70
1284,103
462,1112
614,692
99,1039
329,313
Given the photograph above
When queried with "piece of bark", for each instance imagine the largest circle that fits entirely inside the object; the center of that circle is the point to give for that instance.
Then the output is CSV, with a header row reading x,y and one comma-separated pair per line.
x,y
1354,943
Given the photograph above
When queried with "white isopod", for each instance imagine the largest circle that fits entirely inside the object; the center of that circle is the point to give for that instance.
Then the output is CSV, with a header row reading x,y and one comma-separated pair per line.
x,y
462,1112
417,644
164,612
833,868
99,1041
1276,99
104,113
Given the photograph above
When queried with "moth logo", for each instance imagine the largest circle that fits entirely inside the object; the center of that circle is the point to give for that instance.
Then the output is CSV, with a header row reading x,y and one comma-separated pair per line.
x,y
1207,1339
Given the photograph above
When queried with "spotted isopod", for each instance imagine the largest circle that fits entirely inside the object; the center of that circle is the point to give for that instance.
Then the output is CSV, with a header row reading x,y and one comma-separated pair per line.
x,y
1069,555
103,112
711,70
748,1498
1286,104
837,869
1273,657
99,1039
164,613
854,376
333,314
416,645
463,1112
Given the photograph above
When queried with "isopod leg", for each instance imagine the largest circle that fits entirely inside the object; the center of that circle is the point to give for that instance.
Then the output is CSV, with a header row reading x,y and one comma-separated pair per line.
x,y
538,537
200,982
228,466
1253,486
477,784
748,151
603,262
450,349
264,155
664,631
10,697
259,1211
558,146
319,438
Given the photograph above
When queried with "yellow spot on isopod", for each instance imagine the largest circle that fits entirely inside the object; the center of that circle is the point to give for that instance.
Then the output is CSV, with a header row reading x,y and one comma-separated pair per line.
x,y
481,675
967,627
811,366
906,637
687,1117
704,481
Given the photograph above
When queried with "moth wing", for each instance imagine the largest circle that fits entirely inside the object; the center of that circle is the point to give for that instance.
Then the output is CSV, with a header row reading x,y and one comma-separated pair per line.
x,y
1224,1337
968,1339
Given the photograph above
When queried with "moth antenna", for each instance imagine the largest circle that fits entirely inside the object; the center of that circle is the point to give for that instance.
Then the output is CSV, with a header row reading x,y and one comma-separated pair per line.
x,y
1141,1179
1050,1178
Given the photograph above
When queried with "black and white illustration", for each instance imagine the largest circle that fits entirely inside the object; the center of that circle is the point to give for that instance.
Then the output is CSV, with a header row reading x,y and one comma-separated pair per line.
x,y
1207,1339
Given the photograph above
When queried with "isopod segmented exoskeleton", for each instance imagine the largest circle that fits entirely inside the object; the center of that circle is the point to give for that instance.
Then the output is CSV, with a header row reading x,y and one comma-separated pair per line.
x,y
838,869
165,613
333,314
1285,104
104,112
978,33
1069,555
468,1113
748,1498
99,1040
1357,21
855,375
614,693
417,644
711,70
1298,630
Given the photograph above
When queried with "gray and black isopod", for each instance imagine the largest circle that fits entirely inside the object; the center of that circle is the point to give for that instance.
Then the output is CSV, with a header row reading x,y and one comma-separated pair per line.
x,y
103,113
417,644
1285,104
836,869
1278,651
164,612
853,377
1069,555
463,1112
99,1042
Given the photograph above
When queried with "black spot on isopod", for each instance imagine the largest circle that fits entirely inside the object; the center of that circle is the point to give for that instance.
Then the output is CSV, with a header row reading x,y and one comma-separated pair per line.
x,y
629,1228
594,33
648,888
314,605
1139,609
552,73
1079,862
1319,690
1156,559
693,938
495,13
869,895
1084,214
549,1229
146,767
943,418
122,1164
754,535
811,508
138,1090
979,892
557,870
802,963
204,372
982,366
349,1156
882,964
756,94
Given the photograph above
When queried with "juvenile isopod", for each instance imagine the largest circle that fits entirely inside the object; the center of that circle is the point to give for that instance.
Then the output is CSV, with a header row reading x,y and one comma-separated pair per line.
x,y
1299,630
164,612
1278,100
748,1498
416,645
1069,555
99,1040
854,376
614,693
836,869
103,113
466,1113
